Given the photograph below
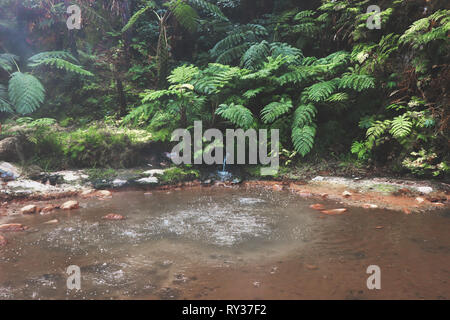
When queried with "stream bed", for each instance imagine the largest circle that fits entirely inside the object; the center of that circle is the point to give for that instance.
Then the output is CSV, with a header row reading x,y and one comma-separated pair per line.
x,y
226,243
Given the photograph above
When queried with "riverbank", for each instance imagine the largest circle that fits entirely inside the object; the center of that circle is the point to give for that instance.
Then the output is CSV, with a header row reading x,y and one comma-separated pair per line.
x,y
408,196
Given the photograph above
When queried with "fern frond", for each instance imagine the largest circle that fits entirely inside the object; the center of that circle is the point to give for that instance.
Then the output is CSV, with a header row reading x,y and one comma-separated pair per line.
x,y
338,97
304,115
209,8
303,139
25,92
236,114
357,82
185,15
321,91
233,54
63,65
276,109
304,14
5,105
377,129
8,61
237,42
42,56
254,57
400,126
253,92
285,49
299,75
151,95
183,74
137,15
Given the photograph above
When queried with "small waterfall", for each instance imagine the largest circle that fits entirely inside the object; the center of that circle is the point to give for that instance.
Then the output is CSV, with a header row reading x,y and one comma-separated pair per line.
x,y
224,163
224,174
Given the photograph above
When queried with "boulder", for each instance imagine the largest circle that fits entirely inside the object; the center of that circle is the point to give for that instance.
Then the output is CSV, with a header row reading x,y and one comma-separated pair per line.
x,y
420,199
334,211
3,241
87,192
425,190
104,193
317,206
52,221
70,205
8,149
346,194
149,180
30,209
154,172
49,208
8,171
277,187
12,227
113,216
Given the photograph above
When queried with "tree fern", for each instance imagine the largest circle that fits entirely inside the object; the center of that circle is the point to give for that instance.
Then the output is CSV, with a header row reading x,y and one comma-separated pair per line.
x,y
303,139
274,110
236,114
25,92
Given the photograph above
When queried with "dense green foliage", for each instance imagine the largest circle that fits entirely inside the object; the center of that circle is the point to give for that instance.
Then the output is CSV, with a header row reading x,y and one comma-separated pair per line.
x,y
335,88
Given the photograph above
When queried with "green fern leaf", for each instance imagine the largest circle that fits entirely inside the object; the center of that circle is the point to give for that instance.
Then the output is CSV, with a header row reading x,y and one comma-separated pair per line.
x,y
8,61
303,139
25,92
321,91
401,126
209,8
304,115
357,82
63,65
236,114
274,110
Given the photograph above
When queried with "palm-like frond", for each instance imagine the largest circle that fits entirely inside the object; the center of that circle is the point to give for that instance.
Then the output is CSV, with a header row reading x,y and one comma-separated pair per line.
x,y
321,90
357,82
303,139
236,114
25,92
209,8
276,109
304,115
62,65
7,61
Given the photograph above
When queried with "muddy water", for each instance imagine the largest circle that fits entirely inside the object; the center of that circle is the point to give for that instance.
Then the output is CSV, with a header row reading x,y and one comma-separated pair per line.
x,y
226,243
